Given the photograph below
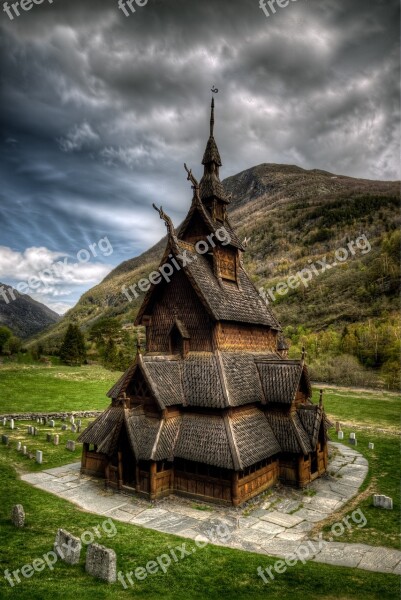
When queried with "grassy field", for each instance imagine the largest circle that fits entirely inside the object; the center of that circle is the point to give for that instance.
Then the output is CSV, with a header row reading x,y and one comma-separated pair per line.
x,y
213,572
209,573
380,410
35,388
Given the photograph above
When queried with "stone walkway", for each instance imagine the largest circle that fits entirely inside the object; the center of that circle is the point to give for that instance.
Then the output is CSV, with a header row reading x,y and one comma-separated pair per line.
x,y
277,524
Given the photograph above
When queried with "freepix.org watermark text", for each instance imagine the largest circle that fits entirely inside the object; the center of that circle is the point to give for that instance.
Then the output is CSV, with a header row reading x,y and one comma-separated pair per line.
x,y
315,269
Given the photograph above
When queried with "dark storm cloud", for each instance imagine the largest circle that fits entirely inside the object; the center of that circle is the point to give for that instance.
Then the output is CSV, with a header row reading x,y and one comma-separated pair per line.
x,y
99,111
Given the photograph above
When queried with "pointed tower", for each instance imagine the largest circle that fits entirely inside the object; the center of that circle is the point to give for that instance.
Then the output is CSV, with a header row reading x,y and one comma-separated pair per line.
x,y
212,192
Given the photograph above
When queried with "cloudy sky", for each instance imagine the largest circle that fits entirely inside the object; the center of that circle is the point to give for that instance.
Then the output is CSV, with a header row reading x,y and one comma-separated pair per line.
x,y
99,111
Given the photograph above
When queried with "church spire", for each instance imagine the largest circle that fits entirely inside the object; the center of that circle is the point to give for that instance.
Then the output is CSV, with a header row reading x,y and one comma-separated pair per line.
x,y
211,188
212,118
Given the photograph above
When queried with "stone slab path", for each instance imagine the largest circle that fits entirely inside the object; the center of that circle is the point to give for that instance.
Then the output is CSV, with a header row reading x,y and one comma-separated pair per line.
x,y
277,524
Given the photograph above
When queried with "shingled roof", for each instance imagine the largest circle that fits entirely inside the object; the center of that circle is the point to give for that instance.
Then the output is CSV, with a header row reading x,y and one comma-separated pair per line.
x,y
223,300
104,431
289,432
201,379
229,441
311,417
281,379
212,225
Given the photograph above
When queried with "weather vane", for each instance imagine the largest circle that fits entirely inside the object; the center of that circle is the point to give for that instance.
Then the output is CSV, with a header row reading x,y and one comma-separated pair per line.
x,y
214,90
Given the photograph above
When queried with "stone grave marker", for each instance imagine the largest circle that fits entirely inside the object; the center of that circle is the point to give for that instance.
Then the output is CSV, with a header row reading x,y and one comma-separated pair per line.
x,y
39,457
24,450
18,515
64,427
70,445
4,422
101,562
340,435
4,439
56,440
19,446
68,547
51,423
371,446
73,428
381,501
49,437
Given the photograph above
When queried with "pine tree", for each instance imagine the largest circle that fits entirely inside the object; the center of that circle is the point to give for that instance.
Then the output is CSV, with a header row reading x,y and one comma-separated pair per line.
x,y
73,351
110,354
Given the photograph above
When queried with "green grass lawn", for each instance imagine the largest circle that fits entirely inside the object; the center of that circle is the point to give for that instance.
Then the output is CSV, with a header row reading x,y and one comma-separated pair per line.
x,y
35,388
377,409
383,526
209,573
214,572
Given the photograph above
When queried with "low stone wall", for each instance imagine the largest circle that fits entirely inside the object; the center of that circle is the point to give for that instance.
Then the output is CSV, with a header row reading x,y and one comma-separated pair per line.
x,y
52,415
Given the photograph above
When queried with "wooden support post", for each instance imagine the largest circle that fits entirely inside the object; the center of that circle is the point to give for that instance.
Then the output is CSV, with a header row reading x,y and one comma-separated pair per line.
x,y
84,453
107,474
234,489
120,470
153,470
137,477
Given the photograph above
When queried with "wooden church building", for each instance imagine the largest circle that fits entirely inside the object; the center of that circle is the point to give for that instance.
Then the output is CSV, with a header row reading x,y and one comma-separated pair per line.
x,y
212,408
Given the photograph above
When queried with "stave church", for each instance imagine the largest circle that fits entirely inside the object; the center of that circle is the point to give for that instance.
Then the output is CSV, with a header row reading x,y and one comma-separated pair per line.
x,y
212,408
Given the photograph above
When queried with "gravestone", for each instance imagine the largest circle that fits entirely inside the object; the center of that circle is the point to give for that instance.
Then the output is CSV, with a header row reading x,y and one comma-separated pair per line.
x,y
12,424
73,428
79,422
51,423
49,437
37,420
68,547
4,439
340,435
72,420
29,429
39,457
64,427
70,445
353,441
35,431
338,426
18,446
18,515
381,501
24,450
101,562
4,422
352,436
78,428
371,446
56,440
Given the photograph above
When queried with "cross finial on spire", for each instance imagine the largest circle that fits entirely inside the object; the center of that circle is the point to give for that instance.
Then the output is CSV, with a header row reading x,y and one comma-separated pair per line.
x,y
212,119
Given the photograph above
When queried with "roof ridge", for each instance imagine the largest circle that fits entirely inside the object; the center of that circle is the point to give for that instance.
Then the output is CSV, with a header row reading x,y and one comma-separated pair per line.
x,y
223,377
157,438
232,443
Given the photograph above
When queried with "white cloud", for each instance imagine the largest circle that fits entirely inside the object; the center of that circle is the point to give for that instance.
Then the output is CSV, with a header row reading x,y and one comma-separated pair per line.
x,y
48,273
78,137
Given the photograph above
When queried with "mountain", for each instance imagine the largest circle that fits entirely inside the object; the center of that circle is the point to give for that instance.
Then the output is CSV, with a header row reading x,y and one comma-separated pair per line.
x,y
23,315
294,220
